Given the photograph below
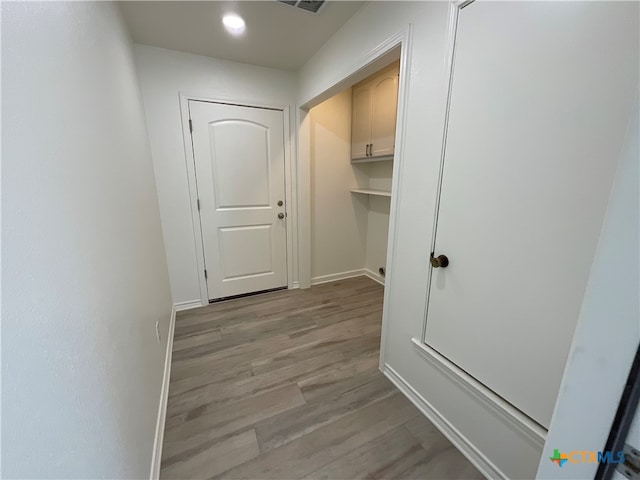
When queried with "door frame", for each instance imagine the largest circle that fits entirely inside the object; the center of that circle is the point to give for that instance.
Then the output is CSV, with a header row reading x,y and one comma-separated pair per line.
x,y
454,14
289,185
366,65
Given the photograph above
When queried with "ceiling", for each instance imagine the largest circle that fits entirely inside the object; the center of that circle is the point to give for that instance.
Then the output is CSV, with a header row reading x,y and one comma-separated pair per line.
x,y
277,35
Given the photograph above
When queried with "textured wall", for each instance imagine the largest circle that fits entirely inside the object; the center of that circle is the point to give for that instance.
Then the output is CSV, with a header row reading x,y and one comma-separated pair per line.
x,y
84,270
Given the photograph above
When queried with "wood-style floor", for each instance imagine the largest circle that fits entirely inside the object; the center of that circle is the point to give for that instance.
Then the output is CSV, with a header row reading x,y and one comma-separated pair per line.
x,y
286,385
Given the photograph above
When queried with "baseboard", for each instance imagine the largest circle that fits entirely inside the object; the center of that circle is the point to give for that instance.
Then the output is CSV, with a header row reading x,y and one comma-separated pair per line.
x,y
180,306
475,456
508,413
337,276
376,277
164,395
344,275
295,285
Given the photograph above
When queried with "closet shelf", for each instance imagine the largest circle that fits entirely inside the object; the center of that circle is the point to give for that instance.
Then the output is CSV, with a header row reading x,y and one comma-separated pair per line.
x,y
387,158
368,191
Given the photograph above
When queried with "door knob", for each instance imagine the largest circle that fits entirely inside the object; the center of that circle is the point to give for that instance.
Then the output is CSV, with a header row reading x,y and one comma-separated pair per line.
x,y
281,215
439,261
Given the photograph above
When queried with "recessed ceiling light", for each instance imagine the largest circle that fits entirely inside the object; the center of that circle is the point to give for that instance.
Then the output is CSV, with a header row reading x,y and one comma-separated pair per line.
x,y
233,23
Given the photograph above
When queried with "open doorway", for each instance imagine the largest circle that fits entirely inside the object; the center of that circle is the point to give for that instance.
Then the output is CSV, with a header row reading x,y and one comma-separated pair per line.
x,y
342,170
352,153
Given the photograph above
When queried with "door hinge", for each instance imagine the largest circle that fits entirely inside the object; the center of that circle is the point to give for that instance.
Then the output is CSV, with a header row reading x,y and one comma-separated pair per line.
x,y
631,466
190,126
205,273
198,203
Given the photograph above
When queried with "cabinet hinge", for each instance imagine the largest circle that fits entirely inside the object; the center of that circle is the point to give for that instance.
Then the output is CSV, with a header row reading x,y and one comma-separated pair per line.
x,y
205,273
190,126
198,203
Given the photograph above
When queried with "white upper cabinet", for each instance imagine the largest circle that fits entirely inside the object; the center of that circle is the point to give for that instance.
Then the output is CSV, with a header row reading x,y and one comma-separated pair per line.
x,y
361,121
373,123
384,103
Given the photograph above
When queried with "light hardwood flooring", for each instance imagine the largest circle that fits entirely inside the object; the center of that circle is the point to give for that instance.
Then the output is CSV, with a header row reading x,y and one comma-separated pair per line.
x,y
285,385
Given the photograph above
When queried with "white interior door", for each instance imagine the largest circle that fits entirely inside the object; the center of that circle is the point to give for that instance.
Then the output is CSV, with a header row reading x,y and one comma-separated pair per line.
x,y
540,98
239,160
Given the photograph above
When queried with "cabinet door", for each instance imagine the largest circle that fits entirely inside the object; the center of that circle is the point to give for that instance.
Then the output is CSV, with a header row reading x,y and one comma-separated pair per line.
x,y
540,99
384,106
360,120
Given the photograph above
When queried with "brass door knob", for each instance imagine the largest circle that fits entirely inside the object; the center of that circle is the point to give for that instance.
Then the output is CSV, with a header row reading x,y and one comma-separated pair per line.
x,y
281,215
441,261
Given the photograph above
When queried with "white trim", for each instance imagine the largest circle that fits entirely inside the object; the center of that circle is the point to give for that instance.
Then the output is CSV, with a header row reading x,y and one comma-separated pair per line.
x,y
349,76
454,12
303,120
164,395
193,194
337,276
291,188
462,443
403,40
290,194
334,277
510,414
295,285
188,305
374,276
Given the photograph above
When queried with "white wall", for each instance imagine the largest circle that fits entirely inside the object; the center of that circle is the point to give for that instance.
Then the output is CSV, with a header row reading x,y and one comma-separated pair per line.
x,y
377,234
84,270
608,330
379,175
163,74
338,217
348,231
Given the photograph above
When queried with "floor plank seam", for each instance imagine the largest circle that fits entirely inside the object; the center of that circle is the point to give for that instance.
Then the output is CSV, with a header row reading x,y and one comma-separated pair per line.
x,y
286,385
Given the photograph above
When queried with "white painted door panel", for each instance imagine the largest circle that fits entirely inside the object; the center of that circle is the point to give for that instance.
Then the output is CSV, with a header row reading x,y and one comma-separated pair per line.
x,y
239,159
384,106
540,96
361,121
